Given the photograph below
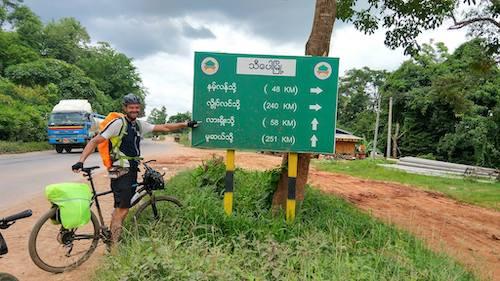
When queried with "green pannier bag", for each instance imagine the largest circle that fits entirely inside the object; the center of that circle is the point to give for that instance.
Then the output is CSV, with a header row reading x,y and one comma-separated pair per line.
x,y
73,200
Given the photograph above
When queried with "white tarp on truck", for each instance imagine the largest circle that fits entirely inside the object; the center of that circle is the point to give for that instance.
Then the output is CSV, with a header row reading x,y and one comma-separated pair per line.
x,y
73,106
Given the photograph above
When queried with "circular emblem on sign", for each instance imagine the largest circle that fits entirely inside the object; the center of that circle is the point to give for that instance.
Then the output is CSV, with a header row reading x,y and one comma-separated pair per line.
x,y
323,70
209,66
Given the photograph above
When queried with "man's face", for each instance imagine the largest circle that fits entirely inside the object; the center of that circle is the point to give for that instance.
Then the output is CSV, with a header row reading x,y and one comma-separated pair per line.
x,y
132,111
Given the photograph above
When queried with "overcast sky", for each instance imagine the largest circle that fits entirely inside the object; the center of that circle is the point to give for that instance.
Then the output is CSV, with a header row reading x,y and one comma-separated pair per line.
x,y
162,36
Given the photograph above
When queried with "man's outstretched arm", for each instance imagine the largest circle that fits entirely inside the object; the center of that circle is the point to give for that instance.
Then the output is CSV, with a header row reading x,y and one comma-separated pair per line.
x,y
170,127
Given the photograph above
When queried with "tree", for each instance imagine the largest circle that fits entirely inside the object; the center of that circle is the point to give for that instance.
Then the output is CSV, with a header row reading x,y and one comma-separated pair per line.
x,y
358,99
64,39
158,116
22,111
70,80
40,65
180,117
482,19
113,72
445,103
12,51
5,7
471,142
404,19
318,44
28,26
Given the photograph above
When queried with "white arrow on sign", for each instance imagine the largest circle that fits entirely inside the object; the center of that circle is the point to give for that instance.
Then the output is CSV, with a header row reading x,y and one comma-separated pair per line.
x,y
314,140
314,124
316,91
314,107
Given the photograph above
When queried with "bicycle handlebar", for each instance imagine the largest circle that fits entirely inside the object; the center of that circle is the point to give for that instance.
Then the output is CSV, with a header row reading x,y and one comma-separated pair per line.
x,y
5,222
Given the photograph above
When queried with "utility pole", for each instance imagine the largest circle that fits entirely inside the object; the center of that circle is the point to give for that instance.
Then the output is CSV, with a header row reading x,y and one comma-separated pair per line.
x,y
376,123
389,129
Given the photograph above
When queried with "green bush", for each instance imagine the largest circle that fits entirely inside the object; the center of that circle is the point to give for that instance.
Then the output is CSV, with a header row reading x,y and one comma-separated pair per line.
x,y
211,174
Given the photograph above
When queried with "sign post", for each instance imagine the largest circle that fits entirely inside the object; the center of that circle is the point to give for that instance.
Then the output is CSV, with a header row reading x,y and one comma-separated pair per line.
x,y
292,183
264,103
229,183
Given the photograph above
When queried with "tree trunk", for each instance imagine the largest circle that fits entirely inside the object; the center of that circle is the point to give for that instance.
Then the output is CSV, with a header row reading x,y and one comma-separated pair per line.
x,y
317,45
389,131
395,138
377,120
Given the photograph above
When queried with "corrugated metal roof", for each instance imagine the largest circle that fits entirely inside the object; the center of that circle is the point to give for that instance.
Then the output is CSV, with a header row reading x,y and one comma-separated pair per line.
x,y
340,131
345,135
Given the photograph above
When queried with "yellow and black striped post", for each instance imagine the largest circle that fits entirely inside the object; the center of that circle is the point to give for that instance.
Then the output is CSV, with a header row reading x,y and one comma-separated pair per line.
x,y
228,194
292,181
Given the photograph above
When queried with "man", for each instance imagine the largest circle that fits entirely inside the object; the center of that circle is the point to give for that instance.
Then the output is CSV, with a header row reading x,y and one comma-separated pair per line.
x,y
123,186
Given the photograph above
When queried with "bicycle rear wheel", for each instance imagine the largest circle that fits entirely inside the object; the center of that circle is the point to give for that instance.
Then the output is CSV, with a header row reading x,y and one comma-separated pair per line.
x,y
7,277
157,208
56,249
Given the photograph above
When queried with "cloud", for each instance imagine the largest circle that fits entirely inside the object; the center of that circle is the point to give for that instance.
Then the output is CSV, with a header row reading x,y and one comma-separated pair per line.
x,y
140,37
162,36
136,37
169,77
145,22
356,49
197,32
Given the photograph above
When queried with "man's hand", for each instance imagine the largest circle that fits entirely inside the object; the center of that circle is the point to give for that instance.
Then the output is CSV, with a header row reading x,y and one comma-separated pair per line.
x,y
192,124
77,167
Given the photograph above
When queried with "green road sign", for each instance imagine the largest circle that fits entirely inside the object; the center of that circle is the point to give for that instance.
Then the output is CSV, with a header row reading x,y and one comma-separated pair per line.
x,y
265,103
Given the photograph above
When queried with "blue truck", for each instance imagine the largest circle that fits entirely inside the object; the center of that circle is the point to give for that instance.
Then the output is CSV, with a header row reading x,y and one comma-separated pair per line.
x,y
72,124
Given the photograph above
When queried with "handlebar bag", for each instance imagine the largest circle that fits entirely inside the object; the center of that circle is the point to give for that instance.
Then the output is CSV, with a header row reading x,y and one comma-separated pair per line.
x,y
73,200
3,246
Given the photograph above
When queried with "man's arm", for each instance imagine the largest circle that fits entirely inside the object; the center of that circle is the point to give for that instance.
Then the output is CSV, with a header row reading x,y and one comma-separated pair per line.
x,y
89,149
169,127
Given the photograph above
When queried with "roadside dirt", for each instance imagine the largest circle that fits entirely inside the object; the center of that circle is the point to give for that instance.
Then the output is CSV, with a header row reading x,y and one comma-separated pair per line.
x,y
470,234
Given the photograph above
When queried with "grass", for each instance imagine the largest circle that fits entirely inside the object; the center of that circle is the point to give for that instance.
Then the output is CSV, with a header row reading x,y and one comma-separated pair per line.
x,y
466,190
21,147
329,240
184,139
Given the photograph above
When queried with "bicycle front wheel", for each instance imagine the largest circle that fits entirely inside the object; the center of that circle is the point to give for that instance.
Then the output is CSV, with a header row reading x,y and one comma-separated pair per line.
x,y
157,208
56,249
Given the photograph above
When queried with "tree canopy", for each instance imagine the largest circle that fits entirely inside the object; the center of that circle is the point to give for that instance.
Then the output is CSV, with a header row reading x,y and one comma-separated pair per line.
x,y
41,64
447,105
405,20
158,116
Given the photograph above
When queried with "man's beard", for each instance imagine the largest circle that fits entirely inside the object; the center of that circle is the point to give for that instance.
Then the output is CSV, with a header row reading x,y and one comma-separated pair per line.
x,y
132,118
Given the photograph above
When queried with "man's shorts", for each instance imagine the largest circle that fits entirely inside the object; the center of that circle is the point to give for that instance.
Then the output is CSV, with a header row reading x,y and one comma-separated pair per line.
x,y
124,189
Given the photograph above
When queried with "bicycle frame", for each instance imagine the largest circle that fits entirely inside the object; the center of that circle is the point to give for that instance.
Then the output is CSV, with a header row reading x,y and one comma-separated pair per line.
x,y
100,231
96,195
95,199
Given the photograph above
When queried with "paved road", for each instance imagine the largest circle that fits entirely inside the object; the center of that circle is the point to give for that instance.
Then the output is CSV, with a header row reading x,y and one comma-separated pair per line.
x,y
23,176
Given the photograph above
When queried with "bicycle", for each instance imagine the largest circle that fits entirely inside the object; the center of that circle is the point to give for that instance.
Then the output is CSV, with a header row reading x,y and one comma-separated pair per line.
x,y
74,246
4,224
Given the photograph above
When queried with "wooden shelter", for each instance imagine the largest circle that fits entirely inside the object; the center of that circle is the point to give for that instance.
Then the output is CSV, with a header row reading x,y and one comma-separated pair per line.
x,y
345,142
